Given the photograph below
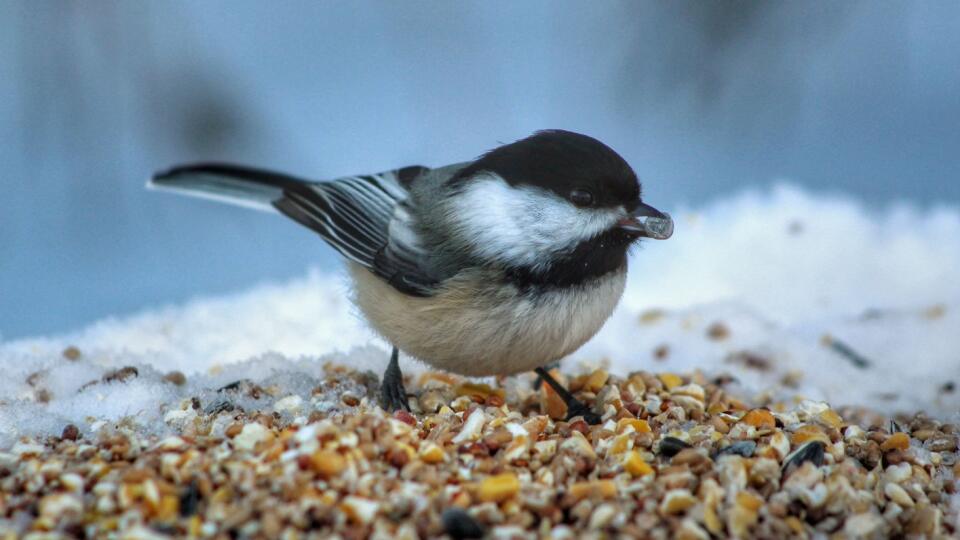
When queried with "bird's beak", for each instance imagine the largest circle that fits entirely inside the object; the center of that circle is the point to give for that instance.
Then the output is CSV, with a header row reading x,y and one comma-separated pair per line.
x,y
648,222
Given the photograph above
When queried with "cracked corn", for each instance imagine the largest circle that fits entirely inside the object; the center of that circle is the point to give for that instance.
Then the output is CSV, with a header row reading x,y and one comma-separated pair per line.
x,y
673,457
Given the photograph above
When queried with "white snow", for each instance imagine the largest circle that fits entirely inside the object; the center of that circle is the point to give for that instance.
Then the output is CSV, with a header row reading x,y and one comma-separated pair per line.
x,y
779,269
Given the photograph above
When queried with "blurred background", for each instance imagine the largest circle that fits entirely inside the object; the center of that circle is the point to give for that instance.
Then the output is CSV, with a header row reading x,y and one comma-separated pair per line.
x,y
703,98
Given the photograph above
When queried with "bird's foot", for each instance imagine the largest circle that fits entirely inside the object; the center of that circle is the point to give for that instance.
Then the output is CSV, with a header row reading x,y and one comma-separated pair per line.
x,y
574,406
577,408
393,396
538,382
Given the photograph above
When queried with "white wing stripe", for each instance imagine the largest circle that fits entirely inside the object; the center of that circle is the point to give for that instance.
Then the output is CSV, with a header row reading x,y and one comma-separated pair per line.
x,y
388,182
381,187
361,223
374,208
369,213
365,192
315,213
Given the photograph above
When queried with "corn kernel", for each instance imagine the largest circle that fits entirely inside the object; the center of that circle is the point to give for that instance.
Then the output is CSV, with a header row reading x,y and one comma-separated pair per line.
x,y
712,521
760,419
897,441
831,418
677,501
498,488
596,380
621,444
636,466
602,489
808,432
749,501
795,524
169,508
670,380
479,389
431,453
328,463
640,426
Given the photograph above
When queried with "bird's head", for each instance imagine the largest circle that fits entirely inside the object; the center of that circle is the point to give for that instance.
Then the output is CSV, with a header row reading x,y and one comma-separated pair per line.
x,y
552,199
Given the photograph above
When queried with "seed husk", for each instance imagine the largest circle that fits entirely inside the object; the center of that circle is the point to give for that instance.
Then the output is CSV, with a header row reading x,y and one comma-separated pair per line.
x,y
671,446
812,451
461,525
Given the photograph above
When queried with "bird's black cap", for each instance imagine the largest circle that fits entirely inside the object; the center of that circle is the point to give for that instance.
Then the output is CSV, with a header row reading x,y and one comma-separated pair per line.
x,y
563,162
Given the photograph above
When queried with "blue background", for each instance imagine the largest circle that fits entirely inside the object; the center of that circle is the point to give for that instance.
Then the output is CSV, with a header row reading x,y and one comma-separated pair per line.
x,y
704,99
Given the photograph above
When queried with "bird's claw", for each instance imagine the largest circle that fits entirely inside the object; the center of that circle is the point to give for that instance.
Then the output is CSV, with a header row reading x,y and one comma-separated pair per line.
x,y
393,397
579,409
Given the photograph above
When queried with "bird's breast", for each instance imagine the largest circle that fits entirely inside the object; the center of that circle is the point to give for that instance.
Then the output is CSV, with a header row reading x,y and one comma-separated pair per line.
x,y
477,325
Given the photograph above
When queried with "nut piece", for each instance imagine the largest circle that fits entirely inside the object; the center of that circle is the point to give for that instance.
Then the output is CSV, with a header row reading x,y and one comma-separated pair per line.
x,y
498,488
579,444
862,525
603,516
251,435
898,495
691,390
780,446
359,510
471,428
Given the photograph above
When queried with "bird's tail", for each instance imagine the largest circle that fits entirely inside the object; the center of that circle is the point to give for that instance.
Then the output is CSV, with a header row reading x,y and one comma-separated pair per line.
x,y
234,184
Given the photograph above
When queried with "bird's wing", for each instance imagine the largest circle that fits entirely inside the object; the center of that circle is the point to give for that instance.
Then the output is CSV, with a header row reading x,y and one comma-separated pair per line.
x,y
365,218
368,220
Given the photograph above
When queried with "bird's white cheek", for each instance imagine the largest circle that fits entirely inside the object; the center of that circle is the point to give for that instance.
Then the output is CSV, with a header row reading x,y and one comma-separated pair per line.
x,y
522,226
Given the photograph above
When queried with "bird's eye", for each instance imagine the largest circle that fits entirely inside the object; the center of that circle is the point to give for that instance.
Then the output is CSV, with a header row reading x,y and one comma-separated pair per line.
x,y
581,197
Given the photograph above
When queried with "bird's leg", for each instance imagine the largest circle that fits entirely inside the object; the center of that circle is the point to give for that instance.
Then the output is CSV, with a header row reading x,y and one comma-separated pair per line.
x,y
393,396
574,406
539,382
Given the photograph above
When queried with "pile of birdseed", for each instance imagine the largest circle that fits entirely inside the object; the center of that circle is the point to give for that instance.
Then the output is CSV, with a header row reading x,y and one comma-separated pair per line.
x,y
675,456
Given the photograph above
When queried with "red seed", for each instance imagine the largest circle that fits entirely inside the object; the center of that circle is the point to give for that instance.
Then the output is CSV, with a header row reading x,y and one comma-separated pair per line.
x,y
405,417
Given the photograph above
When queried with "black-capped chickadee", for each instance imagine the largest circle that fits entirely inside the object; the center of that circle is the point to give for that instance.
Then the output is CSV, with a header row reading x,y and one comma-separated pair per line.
x,y
495,266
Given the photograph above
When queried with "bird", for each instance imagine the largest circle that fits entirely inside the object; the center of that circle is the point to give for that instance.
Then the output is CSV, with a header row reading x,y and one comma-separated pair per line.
x,y
497,266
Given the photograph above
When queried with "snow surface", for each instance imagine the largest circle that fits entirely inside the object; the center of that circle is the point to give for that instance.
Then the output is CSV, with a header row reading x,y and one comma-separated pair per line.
x,y
778,270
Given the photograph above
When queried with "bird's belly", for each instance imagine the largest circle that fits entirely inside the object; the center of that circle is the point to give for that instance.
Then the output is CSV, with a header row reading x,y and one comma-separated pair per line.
x,y
477,327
